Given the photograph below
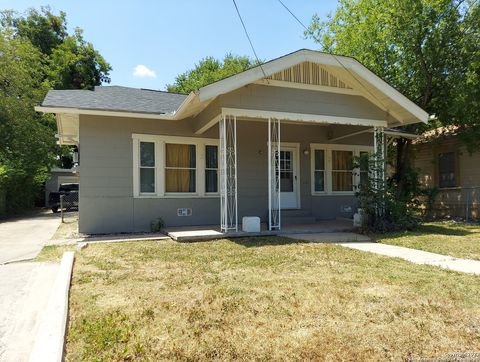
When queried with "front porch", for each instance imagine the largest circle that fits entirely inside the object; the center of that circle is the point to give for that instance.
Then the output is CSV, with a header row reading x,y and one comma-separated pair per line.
x,y
210,232
308,164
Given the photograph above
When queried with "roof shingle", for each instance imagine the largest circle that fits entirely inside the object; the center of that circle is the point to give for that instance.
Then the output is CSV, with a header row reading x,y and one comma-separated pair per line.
x,y
116,98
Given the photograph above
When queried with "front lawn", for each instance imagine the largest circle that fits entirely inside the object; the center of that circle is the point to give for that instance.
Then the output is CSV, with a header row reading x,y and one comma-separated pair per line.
x,y
264,299
449,238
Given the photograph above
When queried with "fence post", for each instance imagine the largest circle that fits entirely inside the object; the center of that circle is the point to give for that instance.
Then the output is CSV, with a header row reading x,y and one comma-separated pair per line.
x,y
61,205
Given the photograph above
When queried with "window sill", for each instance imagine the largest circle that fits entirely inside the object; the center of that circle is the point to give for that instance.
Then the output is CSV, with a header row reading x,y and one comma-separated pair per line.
x,y
334,193
179,196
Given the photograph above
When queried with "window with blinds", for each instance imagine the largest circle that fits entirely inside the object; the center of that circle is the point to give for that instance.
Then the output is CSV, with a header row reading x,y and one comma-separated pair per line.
x,y
180,167
342,170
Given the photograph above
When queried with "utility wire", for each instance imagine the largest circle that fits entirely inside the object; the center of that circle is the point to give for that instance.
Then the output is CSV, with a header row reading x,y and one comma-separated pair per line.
x,y
311,33
248,37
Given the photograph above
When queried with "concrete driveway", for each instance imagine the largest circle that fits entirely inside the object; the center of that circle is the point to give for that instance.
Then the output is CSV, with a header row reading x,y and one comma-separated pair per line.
x,y
24,293
23,238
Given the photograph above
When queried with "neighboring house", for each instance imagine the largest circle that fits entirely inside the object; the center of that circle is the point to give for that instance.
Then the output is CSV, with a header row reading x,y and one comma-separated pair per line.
x,y
60,176
444,163
276,141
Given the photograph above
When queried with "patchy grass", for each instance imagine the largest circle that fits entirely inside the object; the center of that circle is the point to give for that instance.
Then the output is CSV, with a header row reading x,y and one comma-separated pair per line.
x,y
449,238
53,252
69,228
264,299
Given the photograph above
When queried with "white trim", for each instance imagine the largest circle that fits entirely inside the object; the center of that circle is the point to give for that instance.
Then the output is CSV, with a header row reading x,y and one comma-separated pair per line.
x,y
303,117
209,124
296,171
160,141
392,134
387,89
66,110
328,148
252,75
314,87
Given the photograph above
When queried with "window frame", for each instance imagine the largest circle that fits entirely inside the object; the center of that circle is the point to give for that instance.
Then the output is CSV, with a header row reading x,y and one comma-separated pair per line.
x,y
328,148
160,142
154,167
456,170
211,169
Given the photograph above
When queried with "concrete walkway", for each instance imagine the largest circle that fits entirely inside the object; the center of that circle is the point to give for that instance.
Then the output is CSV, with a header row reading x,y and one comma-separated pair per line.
x,y
23,238
25,289
419,256
363,243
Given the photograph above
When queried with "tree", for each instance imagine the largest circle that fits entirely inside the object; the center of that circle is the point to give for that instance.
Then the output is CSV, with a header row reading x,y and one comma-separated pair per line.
x,y
209,70
428,49
37,54
73,63
28,143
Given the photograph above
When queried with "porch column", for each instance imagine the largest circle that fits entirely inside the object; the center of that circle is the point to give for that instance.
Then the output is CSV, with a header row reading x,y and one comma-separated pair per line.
x,y
274,217
228,173
379,168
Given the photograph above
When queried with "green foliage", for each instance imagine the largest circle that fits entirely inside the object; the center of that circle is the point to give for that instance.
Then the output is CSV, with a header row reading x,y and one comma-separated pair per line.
x,y
157,225
381,208
36,54
76,64
429,50
209,70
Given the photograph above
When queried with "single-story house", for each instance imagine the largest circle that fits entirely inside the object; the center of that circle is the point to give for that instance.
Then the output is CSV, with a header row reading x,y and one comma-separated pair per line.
x,y
276,141
444,163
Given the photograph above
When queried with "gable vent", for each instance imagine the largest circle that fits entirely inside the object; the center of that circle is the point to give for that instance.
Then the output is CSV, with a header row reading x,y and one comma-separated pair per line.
x,y
309,73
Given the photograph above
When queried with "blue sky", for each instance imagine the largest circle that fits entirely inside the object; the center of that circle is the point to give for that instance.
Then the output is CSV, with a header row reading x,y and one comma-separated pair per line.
x,y
169,36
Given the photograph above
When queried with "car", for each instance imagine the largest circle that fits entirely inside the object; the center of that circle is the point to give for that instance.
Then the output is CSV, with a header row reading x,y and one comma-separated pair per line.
x,y
70,199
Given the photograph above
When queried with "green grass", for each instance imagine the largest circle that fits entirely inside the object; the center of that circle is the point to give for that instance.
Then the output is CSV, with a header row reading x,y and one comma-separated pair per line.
x,y
264,299
449,238
53,252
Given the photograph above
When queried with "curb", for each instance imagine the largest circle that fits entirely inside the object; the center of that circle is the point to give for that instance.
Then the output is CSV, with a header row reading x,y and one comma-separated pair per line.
x,y
50,338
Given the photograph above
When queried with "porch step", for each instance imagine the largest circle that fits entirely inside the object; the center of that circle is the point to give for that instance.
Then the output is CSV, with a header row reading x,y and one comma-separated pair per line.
x,y
298,220
295,213
297,217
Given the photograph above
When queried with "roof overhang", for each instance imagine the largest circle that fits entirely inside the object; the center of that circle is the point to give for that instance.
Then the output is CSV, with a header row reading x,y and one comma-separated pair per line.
x,y
365,81
301,117
95,112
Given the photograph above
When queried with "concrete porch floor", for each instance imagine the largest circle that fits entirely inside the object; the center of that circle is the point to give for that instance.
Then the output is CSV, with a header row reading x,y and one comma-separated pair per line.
x,y
209,232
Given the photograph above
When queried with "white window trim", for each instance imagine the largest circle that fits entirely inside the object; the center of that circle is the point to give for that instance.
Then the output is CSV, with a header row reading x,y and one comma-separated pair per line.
x,y
328,148
160,142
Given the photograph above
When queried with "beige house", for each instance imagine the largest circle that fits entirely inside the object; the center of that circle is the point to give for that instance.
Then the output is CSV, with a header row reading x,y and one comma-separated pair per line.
x,y
276,141
444,162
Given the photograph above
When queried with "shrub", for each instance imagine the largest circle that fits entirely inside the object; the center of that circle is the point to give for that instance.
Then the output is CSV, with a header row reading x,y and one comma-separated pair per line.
x,y
383,210
157,225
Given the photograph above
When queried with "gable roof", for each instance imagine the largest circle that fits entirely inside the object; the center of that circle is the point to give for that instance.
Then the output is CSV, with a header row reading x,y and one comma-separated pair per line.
x,y
116,98
349,75
348,69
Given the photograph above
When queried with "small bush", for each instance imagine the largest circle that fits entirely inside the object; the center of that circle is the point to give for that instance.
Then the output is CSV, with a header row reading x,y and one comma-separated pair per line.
x,y
383,210
157,225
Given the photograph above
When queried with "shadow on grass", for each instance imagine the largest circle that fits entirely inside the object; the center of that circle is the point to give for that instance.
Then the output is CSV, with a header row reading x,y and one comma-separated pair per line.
x,y
453,230
259,241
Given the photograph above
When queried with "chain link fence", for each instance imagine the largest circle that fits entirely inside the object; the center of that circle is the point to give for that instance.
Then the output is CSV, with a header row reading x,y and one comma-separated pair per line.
x,y
463,203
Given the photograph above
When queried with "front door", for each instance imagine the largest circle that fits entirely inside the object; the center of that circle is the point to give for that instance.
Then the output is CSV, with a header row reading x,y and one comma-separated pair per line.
x,y
289,177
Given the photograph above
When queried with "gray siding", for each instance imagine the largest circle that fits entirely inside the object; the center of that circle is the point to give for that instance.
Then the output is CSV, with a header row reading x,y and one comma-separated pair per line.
x,y
268,98
106,188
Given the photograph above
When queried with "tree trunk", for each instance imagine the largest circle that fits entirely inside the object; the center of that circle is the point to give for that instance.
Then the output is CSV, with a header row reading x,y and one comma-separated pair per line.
x,y
403,166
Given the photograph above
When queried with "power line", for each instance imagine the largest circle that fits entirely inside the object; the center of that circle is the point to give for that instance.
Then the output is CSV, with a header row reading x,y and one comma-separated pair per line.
x,y
311,33
249,40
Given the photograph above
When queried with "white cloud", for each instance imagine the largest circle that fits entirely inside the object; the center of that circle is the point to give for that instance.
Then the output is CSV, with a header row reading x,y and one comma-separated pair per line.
x,y
143,71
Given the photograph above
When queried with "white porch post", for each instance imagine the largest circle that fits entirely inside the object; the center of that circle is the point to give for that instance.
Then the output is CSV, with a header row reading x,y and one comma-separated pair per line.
x,y
379,161
228,173
274,217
